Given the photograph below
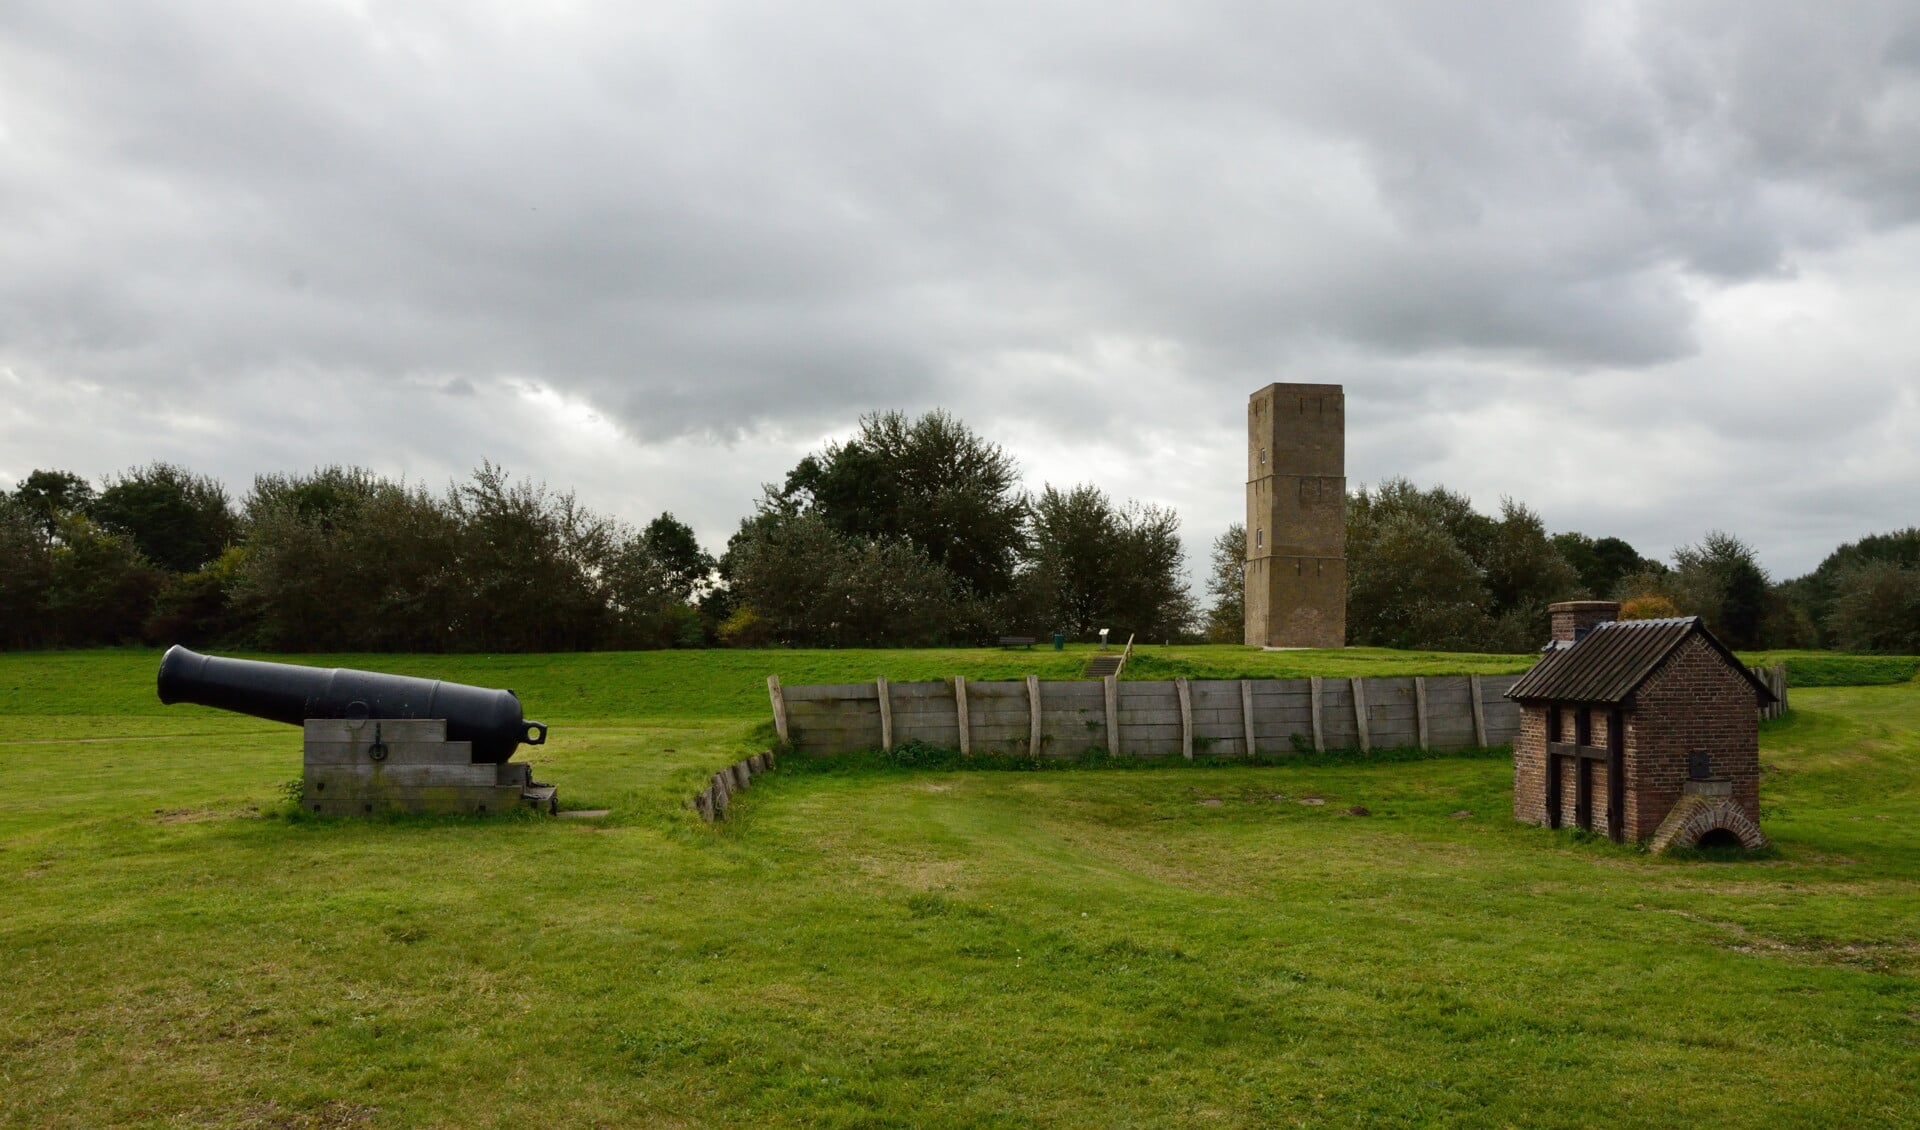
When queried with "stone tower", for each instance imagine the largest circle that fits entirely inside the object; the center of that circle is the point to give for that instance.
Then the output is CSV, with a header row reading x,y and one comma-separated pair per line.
x,y
1297,517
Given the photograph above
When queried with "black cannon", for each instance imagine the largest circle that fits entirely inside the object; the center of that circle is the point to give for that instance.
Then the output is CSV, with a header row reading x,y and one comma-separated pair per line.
x,y
282,692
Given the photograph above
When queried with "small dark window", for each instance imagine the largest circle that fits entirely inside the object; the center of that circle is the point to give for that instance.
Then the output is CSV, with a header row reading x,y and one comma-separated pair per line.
x,y
1259,538
1699,765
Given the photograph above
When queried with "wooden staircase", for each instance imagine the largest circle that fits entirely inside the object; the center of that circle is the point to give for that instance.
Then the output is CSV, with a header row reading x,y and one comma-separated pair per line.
x,y
1107,664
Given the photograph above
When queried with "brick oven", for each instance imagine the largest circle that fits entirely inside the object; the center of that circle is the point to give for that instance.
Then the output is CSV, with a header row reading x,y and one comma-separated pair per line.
x,y
1644,730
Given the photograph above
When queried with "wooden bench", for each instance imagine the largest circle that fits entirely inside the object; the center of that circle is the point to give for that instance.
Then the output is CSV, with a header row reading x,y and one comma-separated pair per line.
x,y
1017,641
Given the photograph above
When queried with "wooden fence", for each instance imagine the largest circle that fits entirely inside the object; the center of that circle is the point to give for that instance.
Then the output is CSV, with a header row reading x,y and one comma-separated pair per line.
x,y
1186,717
1775,678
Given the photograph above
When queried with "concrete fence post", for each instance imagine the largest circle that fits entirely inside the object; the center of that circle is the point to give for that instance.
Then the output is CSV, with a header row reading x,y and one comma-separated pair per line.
x,y
886,714
1186,716
1360,712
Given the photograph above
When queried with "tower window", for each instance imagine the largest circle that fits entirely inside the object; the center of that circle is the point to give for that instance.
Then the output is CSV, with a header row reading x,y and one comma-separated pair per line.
x,y
1263,457
1259,537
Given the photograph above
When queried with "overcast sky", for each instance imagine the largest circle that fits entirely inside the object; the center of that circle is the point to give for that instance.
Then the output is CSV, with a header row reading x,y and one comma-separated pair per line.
x,y
1651,268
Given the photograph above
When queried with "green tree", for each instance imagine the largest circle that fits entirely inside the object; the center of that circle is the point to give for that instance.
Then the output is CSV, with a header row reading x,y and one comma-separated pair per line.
x,y
529,561
1814,594
1876,607
803,582
100,588
1227,587
931,482
26,571
1095,565
1411,585
198,608
1721,581
344,560
686,569
177,519
1603,563
49,496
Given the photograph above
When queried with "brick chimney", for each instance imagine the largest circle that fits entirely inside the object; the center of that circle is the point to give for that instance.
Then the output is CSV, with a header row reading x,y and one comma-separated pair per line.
x,y
1573,618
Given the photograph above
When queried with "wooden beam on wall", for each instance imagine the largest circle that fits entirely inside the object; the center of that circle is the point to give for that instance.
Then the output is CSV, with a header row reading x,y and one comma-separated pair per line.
x,y
779,708
960,709
1319,723
1420,707
886,714
1033,709
1246,714
1186,716
1110,687
1360,712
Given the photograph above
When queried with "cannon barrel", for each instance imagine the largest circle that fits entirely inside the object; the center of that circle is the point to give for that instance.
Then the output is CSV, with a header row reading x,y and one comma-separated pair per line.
x,y
283,692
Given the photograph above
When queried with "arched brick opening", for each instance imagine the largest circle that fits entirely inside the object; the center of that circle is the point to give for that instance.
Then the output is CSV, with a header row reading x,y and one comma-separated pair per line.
x,y
1703,821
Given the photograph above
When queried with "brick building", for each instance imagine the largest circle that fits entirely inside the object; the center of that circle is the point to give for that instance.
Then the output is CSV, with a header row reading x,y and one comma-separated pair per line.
x,y
1640,729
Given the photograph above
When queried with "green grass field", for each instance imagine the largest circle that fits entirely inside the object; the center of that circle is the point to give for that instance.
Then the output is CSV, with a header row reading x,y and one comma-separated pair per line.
x,y
873,946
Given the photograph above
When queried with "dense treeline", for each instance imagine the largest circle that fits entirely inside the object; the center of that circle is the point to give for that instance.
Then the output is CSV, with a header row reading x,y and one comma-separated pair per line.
x,y
1425,570
338,560
915,531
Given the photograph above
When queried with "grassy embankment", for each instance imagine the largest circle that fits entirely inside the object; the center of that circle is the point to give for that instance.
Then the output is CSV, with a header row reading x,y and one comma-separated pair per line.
x,y
891,947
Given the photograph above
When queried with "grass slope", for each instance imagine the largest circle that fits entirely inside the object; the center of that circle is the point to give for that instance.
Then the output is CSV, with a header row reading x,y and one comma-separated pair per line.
x,y
696,684
890,947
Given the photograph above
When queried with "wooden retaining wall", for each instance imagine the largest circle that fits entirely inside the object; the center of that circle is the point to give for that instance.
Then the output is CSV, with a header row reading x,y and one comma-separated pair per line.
x,y
1775,677
1181,717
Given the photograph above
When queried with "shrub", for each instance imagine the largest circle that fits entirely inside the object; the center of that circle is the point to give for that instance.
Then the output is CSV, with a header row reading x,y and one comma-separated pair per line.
x,y
1649,607
746,628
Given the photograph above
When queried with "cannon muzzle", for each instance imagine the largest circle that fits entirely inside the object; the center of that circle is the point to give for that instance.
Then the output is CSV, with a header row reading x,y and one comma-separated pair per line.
x,y
283,692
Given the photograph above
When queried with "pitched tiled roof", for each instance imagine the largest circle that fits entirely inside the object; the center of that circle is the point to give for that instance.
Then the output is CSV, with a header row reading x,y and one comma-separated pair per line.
x,y
1611,661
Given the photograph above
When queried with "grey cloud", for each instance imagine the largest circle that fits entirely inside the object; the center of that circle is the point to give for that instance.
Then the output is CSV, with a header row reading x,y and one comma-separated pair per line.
x,y
730,221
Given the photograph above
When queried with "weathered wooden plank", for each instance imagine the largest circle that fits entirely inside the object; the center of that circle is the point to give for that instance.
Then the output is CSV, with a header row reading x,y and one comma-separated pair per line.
x,y
1248,745
1420,708
361,729
780,706
1110,696
1033,700
960,694
816,691
397,753
1187,718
